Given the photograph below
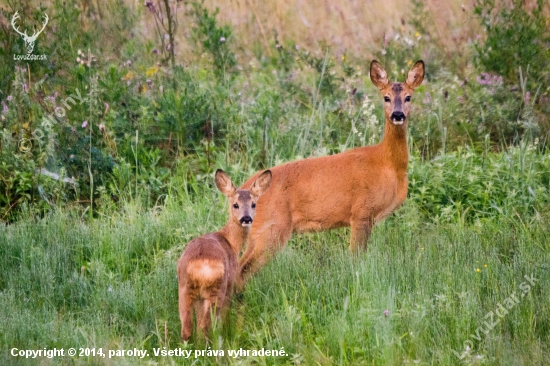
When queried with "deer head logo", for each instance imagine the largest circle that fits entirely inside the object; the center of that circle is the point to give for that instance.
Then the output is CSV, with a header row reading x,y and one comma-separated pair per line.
x,y
29,40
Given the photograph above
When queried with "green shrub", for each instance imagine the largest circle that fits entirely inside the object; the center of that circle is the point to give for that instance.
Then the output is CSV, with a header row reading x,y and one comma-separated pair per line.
x,y
213,39
467,187
516,48
515,37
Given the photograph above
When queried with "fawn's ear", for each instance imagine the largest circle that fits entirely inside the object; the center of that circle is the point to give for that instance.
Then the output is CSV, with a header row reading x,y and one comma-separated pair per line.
x,y
224,184
378,75
416,75
261,183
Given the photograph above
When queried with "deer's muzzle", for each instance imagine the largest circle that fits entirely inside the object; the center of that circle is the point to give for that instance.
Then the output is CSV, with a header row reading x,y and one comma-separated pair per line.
x,y
246,221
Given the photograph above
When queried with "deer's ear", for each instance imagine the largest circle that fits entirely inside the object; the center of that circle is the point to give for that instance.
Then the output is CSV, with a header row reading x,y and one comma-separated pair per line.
x,y
224,184
378,75
261,183
416,75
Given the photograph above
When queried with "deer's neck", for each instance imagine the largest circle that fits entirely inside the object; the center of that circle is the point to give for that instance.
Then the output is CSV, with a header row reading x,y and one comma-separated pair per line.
x,y
235,234
395,146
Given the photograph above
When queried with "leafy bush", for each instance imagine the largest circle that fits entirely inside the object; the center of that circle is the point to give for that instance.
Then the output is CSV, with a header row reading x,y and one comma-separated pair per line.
x,y
215,40
467,187
19,161
516,49
515,37
141,118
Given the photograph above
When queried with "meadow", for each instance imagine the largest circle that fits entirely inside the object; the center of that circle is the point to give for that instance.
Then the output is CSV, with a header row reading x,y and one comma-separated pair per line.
x,y
98,203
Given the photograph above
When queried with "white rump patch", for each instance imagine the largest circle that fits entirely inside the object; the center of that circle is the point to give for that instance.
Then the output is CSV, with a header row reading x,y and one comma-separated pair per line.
x,y
205,271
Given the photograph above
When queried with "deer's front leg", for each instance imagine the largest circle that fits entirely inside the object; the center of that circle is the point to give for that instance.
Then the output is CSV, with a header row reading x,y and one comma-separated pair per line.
x,y
360,233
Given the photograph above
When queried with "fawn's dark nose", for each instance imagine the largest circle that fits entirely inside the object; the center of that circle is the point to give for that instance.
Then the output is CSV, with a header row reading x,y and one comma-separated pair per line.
x,y
398,116
246,220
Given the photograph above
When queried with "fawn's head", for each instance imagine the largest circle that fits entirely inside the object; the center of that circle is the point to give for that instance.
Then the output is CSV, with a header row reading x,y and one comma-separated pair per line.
x,y
242,202
397,96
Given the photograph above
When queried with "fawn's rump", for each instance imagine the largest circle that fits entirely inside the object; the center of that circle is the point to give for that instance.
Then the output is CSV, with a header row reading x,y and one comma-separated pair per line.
x,y
205,272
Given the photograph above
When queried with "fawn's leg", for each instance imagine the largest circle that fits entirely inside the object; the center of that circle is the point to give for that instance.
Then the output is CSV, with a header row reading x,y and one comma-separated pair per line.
x,y
186,315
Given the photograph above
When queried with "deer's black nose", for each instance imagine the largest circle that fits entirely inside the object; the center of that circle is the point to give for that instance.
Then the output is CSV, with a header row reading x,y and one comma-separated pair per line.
x,y
246,220
398,116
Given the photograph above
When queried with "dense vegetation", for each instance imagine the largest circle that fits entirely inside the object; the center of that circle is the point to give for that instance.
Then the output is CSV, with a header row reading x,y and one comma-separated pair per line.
x,y
108,148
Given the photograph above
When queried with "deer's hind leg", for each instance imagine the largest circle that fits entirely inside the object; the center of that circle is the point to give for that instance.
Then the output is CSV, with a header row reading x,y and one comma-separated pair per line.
x,y
186,312
212,300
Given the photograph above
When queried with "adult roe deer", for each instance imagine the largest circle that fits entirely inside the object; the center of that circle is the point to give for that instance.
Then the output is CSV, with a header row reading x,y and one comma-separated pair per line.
x,y
355,188
207,269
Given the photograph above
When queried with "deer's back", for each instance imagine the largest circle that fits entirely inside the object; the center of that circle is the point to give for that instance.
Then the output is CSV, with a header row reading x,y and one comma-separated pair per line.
x,y
326,192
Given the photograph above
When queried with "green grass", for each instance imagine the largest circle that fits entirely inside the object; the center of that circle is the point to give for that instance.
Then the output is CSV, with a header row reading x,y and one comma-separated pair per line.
x,y
112,284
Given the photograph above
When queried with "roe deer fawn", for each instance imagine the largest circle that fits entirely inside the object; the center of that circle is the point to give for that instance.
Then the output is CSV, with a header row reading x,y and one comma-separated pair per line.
x,y
355,188
207,269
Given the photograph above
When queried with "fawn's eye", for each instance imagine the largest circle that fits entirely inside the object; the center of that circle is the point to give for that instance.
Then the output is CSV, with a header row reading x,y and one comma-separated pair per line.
x,y
386,99
408,98
235,205
253,204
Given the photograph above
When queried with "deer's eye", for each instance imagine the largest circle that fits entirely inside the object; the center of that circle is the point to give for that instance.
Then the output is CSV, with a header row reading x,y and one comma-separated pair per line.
x,y
235,205
408,98
387,99
253,204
